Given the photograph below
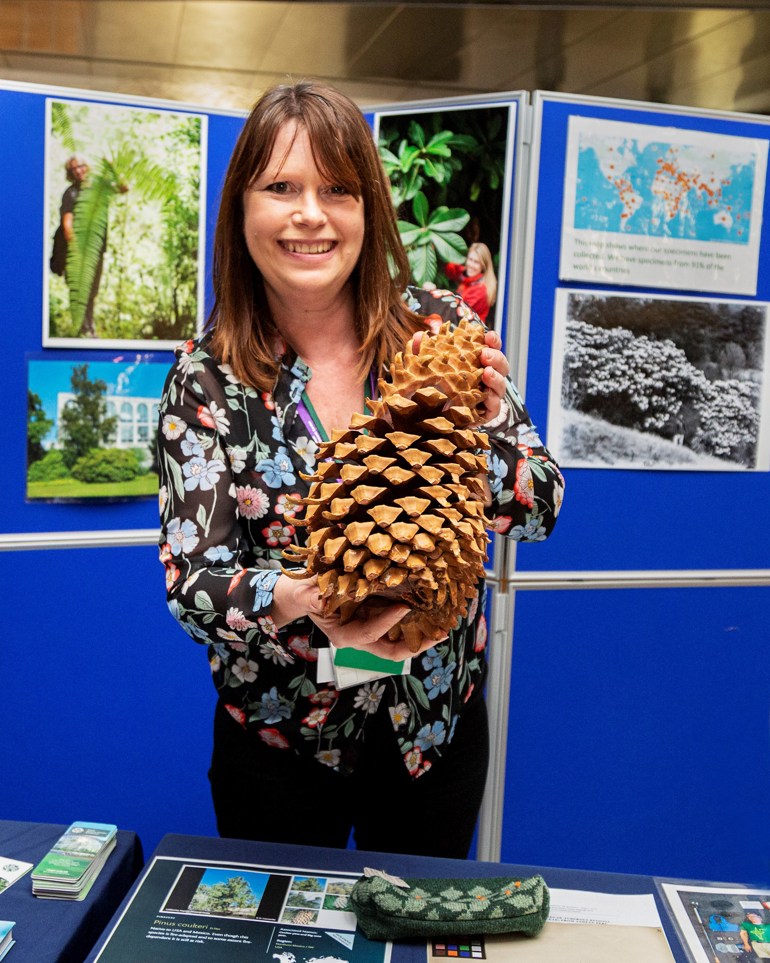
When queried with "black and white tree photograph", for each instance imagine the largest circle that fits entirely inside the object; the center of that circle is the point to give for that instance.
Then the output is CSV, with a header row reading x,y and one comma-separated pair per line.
x,y
654,382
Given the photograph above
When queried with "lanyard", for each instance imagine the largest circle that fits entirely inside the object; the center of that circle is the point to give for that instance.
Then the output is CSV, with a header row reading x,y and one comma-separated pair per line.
x,y
310,418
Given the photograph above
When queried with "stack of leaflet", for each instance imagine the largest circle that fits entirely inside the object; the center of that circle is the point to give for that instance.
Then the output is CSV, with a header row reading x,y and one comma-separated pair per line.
x,y
6,936
69,868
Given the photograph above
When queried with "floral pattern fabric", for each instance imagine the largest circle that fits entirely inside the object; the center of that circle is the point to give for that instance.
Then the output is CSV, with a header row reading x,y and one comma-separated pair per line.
x,y
231,460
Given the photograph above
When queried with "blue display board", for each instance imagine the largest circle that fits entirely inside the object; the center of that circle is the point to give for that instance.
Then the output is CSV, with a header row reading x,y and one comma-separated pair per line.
x,y
24,250
633,711
638,732
623,518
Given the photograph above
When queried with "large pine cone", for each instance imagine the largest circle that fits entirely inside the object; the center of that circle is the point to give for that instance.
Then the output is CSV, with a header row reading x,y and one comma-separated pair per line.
x,y
395,509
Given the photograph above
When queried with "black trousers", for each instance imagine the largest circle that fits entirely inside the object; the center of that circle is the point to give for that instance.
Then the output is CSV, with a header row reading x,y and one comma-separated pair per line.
x,y
274,795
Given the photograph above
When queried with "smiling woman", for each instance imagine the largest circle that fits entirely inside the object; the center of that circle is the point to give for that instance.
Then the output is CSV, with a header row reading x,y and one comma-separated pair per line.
x,y
311,306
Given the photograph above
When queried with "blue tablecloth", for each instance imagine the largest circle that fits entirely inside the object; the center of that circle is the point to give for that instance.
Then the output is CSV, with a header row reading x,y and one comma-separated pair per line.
x,y
310,858
61,931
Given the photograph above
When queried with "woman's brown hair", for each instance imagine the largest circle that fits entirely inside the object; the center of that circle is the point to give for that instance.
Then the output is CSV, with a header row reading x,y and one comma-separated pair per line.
x,y
344,150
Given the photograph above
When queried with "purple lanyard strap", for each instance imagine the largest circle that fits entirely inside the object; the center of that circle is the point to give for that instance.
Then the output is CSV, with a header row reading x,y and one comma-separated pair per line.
x,y
310,418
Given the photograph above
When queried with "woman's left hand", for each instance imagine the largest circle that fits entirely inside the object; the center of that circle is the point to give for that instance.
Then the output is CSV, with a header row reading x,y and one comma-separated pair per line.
x,y
496,370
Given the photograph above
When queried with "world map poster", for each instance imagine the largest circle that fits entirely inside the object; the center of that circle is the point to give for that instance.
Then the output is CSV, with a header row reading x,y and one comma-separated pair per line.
x,y
662,207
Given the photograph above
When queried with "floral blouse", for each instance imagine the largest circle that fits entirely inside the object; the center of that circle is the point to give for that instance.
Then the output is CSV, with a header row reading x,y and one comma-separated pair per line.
x,y
230,457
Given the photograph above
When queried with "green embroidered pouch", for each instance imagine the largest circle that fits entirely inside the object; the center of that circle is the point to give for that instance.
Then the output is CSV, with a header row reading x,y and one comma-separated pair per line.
x,y
388,908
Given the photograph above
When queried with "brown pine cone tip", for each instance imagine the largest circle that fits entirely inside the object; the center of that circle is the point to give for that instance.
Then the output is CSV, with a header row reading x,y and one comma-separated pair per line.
x,y
395,510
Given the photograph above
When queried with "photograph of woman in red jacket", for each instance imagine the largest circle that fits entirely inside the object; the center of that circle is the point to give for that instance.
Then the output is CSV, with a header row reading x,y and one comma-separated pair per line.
x,y
476,279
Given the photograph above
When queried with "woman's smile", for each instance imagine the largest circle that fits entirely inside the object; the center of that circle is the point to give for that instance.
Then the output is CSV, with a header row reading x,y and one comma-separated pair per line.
x,y
308,247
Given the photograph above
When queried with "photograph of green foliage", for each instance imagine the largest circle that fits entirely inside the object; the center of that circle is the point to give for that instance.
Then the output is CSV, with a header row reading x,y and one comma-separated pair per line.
x,y
124,226
91,428
648,381
450,175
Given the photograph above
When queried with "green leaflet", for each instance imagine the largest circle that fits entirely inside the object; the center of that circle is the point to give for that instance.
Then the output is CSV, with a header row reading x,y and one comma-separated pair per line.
x,y
348,728
422,261
83,256
203,602
449,246
201,516
449,218
418,691
176,474
420,209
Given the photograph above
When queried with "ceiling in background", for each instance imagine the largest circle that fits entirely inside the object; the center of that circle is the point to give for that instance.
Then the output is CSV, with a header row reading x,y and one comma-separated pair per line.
x,y
221,54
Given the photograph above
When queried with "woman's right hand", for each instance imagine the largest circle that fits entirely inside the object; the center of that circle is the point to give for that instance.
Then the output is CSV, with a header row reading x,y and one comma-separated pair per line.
x,y
295,598
368,630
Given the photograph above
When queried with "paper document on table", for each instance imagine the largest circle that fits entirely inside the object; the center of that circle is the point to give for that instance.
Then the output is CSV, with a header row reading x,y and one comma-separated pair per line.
x,y
604,909
10,870
582,927
573,942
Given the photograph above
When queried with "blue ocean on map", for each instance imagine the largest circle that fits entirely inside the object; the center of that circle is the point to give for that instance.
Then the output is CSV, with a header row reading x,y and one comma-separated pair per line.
x,y
664,190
